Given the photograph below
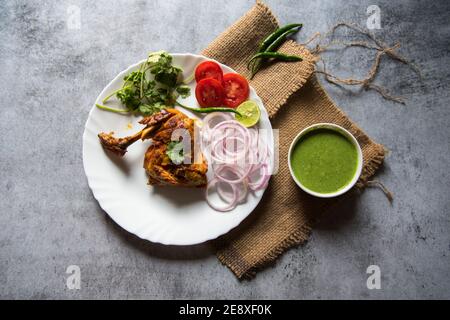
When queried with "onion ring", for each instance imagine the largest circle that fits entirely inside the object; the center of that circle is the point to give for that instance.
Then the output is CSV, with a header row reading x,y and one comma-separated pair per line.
x,y
264,177
230,206
242,193
241,175
236,153
208,119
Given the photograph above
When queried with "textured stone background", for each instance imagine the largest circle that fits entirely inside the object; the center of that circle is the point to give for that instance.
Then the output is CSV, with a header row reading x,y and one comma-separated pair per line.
x,y
50,76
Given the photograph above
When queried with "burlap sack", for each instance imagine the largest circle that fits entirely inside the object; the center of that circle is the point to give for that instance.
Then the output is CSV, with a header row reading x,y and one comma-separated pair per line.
x,y
294,100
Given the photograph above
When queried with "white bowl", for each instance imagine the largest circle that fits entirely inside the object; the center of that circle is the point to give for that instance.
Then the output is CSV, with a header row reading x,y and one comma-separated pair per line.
x,y
346,134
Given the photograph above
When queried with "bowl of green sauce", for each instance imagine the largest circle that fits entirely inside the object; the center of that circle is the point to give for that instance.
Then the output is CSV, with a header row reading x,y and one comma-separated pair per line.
x,y
325,160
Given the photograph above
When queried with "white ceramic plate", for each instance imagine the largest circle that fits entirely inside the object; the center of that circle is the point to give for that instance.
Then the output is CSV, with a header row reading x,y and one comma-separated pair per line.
x,y
167,215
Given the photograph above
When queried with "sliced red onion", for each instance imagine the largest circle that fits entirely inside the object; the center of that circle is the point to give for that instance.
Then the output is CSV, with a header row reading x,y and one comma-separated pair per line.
x,y
264,177
234,153
242,191
214,116
240,174
220,153
231,204
230,124
253,137
236,167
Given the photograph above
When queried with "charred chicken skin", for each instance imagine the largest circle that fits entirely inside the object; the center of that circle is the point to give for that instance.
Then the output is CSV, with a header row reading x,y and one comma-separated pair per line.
x,y
160,169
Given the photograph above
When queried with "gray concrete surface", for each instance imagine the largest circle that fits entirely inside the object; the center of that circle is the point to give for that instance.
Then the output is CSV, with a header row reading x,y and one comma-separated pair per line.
x,y
51,74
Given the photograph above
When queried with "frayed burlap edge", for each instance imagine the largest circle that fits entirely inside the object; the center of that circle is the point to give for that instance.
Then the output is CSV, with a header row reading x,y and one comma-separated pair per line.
x,y
267,10
294,239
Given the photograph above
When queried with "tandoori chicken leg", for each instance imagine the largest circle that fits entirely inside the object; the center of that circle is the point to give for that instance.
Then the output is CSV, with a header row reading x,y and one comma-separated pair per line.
x,y
160,128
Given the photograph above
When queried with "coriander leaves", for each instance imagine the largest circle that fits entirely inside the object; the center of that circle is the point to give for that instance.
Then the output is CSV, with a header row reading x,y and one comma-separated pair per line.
x,y
184,91
175,152
164,72
155,86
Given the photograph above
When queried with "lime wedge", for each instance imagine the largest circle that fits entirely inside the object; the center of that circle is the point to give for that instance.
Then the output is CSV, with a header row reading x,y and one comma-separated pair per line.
x,y
250,113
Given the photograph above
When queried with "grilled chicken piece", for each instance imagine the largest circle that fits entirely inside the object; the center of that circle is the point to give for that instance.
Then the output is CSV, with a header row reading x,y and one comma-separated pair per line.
x,y
160,169
119,146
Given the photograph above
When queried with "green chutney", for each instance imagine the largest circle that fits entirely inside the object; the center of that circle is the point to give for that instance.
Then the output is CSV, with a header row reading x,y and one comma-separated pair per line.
x,y
324,160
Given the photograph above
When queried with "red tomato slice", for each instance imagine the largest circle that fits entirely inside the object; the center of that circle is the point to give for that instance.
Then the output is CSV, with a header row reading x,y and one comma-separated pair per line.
x,y
236,89
209,93
208,69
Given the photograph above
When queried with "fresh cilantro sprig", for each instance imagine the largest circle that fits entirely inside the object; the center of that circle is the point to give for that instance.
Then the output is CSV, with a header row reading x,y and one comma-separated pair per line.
x,y
175,152
140,94
184,91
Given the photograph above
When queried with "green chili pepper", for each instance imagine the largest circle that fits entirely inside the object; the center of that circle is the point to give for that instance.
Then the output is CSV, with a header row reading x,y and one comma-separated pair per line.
x,y
270,55
274,46
208,110
276,55
271,48
274,35
271,44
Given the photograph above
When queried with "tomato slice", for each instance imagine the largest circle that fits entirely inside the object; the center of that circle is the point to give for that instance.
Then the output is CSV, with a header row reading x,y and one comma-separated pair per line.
x,y
236,89
208,69
209,93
